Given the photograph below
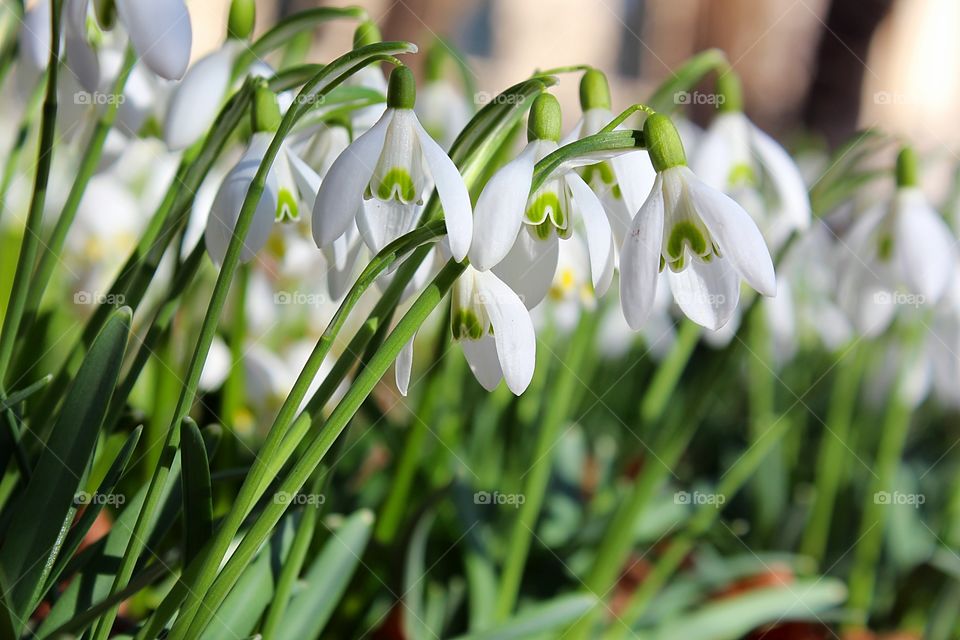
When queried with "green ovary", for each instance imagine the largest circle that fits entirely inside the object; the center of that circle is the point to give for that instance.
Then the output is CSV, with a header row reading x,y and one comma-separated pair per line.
x,y
397,185
685,233
287,208
466,324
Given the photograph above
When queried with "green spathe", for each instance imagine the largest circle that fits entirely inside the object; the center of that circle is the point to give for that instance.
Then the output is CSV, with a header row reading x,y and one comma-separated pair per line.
x,y
663,143
546,120
594,90
242,19
366,34
402,89
907,173
266,111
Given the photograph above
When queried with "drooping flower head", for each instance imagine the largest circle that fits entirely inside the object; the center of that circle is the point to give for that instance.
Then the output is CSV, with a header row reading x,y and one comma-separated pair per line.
x,y
517,233
382,180
736,157
704,240
902,254
289,178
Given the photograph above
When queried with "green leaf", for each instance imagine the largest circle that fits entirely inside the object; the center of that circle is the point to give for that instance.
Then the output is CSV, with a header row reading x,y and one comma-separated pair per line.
x,y
327,579
79,530
45,509
197,490
686,78
238,615
734,617
414,576
539,619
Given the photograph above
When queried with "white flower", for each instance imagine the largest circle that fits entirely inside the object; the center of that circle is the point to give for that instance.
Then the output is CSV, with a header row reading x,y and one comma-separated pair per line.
x,y
901,254
159,30
739,159
494,329
705,239
517,233
196,101
392,167
287,178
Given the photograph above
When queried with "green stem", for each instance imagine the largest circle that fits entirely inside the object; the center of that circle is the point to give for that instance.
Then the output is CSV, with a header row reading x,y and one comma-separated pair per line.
x,y
665,380
557,413
31,234
50,255
318,447
233,388
893,438
833,451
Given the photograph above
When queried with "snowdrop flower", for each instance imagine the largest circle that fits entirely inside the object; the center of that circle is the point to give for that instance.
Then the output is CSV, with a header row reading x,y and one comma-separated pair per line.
x,y
736,157
902,253
159,31
494,329
392,168
623,182
517,234
196,100
287,178
707,241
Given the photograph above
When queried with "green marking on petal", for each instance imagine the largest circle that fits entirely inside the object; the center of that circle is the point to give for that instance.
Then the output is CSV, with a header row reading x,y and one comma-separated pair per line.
x,y
885,247
543,230
663,263
742,174
287,208
685,232
466,324
397,185
545,204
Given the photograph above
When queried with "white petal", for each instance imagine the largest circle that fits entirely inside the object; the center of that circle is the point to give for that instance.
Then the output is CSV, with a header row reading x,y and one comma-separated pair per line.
x,y
454,197
403,367
341,192
794,203
500,210
599,236
723,146
512,331
196,100
35,35
924,246
340,279
482,357
529,267
229,200
381,223
707,292
635,176
83,61
161,33
736,234
216,367
640,259
307,180
866,298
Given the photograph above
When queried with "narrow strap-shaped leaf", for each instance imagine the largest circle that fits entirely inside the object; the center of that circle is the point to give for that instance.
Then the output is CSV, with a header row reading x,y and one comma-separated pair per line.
x,y
8,624
31,548
79,530
197,491
327,579
539,619
19,396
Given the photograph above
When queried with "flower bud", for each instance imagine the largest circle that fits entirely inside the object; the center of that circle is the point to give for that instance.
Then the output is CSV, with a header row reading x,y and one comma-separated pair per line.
x,y
546,121
402,89
242,19
663,143
907,168
594,90
266,110
366,34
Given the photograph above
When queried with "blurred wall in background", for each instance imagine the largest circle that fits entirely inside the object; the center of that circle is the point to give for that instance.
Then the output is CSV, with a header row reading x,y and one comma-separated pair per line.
x,y
829,66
